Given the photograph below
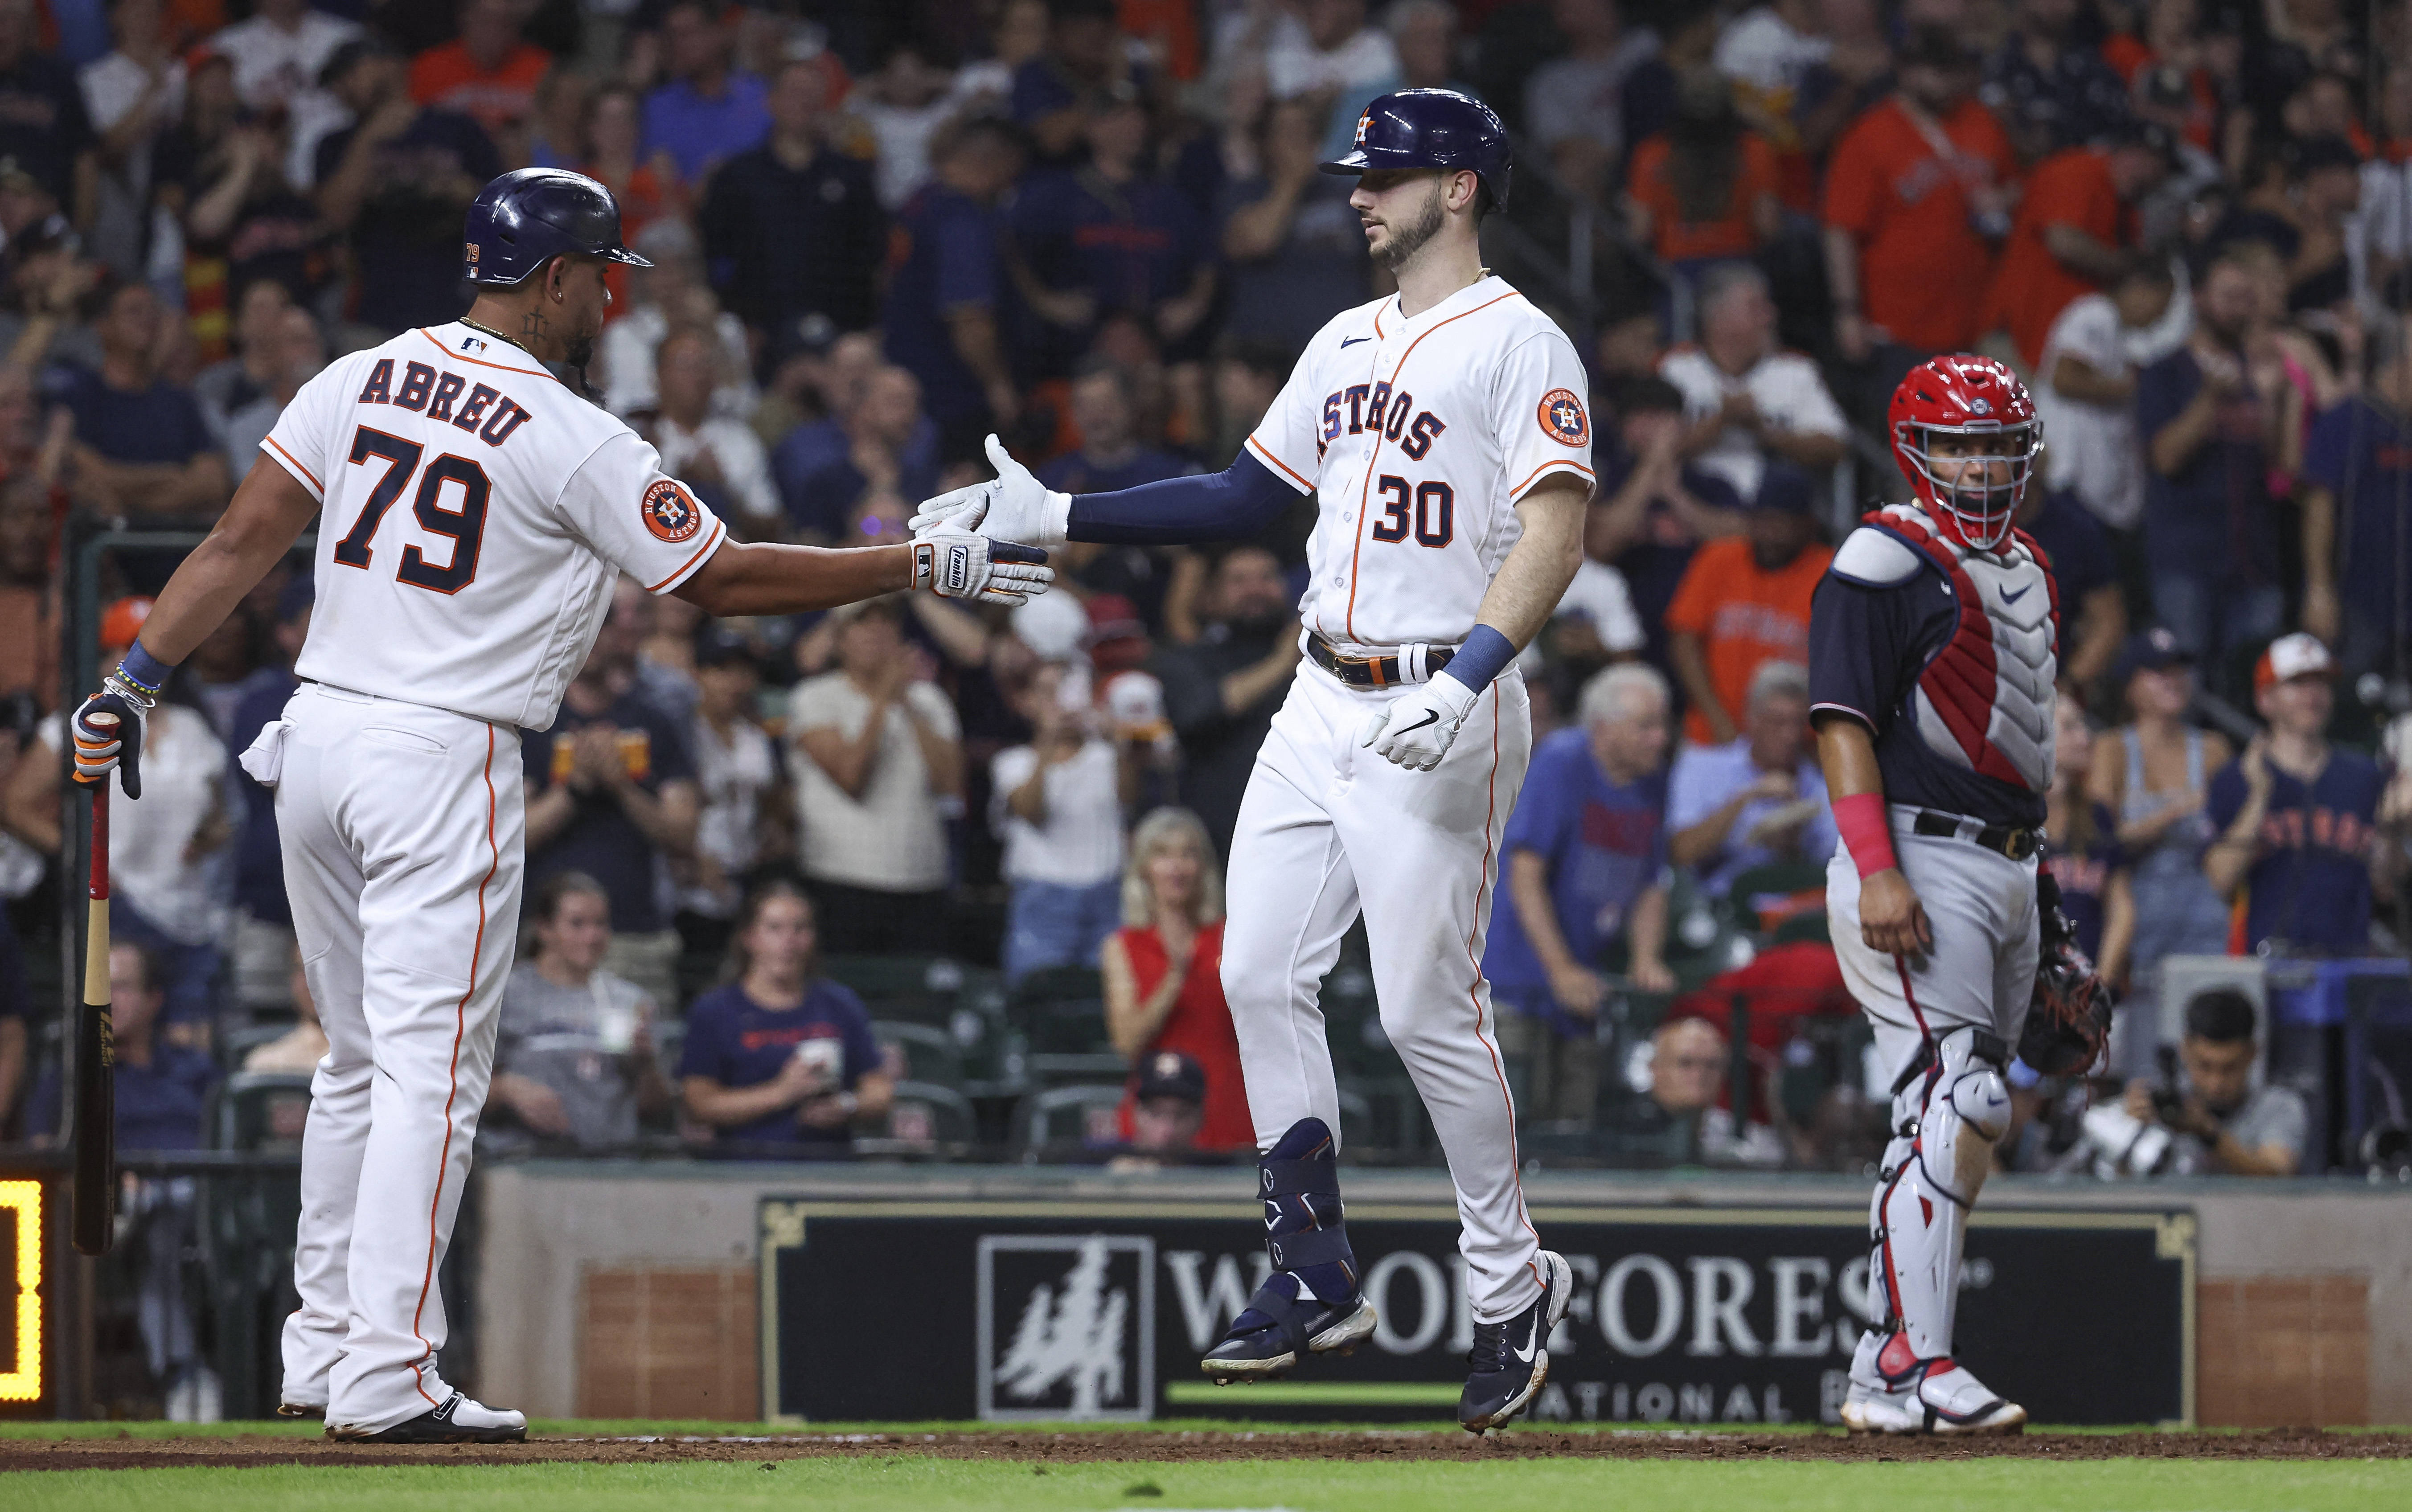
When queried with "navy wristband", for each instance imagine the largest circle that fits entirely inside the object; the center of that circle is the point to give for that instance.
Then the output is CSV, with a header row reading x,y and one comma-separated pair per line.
x,y
1485,654
144,671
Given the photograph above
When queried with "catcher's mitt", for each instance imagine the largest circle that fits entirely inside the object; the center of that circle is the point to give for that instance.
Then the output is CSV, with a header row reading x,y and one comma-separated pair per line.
x,y
2068,1018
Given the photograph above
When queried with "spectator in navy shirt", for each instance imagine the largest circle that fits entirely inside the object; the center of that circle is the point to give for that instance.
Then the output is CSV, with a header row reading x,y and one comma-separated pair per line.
x,y
881,432
1112,457
2357,482
780,1062
709,110
2299,822
2051,90
1653,508
162,1089
258,859
398,183
1085,59
43,125
2093,608
791,228
163,1095
944,280
611,793
2210,533
142,447
1297,249
1110,238
1585,863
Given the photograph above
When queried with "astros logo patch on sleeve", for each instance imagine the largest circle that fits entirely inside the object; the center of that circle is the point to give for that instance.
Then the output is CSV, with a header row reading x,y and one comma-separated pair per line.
x,y
1562,417
670,513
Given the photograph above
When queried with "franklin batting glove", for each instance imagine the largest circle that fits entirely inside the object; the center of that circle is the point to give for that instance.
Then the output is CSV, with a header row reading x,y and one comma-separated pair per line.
x,y
955,563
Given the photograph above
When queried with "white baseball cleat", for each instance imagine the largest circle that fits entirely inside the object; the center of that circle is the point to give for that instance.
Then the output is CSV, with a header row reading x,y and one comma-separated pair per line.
x,y
1942,1397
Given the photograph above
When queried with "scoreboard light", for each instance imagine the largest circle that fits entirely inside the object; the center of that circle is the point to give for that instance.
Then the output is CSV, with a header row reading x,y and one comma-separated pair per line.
x,y
20,1210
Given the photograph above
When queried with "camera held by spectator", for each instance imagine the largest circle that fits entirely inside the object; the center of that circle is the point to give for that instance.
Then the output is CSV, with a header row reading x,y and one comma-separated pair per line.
x,y
2222,1124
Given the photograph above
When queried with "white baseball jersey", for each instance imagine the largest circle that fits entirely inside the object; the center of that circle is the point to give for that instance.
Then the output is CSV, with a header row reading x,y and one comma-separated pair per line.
x,y
1420,436
476,514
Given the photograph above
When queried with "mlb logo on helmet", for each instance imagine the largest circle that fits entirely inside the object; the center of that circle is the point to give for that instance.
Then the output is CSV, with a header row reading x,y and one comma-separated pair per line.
x,y
669,514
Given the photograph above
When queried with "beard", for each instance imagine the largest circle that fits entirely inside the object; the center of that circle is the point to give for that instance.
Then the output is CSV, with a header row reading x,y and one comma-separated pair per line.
x,y
1407,240
579,350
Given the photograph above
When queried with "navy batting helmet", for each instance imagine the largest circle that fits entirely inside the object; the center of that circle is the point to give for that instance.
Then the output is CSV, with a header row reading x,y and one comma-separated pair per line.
x,y
1432,128
531,215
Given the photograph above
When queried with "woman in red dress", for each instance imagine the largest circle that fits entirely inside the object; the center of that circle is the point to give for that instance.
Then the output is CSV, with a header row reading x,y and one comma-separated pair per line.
x,y
1164,970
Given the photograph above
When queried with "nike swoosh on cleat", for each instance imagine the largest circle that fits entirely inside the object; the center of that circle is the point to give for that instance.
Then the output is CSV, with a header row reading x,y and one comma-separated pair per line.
x,y
1532,1339
1352,341
2009,598
1432,716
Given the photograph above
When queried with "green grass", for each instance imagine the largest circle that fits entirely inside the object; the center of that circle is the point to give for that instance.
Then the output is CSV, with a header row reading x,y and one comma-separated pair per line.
x,y
912,1484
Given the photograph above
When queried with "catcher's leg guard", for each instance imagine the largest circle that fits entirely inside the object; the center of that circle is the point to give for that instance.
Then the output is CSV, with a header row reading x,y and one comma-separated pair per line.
x,y
1309,1304
1947,1112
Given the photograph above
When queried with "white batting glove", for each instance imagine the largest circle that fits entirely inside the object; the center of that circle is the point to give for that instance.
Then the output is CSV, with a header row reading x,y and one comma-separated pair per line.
x,y
955,563
1415,729
1011,506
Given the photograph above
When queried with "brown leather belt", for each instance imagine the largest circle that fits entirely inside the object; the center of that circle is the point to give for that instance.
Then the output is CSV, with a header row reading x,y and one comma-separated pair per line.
x,y
1371,671
2013,841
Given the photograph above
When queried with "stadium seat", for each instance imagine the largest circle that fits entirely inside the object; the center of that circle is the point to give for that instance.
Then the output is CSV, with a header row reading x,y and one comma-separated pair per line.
x,y
931,1053
1061,1014
1760,895
1065,1118
1807,925
924,989
926,1119
261,1111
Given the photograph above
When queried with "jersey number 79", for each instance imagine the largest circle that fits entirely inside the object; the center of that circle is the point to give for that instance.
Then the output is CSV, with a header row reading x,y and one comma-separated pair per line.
x,y
466,525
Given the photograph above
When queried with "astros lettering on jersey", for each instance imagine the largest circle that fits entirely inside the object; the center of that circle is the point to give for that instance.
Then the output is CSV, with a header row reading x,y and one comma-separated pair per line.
x,y
453,470
1420,436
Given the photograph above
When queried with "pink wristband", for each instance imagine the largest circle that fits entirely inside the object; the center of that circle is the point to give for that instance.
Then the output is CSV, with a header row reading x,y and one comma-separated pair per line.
x,y
1860,819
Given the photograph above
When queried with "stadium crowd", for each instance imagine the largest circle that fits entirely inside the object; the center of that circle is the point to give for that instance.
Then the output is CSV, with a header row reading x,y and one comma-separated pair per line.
x,y
774,863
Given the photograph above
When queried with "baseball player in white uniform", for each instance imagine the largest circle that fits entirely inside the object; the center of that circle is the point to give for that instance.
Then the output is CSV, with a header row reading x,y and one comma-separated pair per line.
x,y
474,515
1444,432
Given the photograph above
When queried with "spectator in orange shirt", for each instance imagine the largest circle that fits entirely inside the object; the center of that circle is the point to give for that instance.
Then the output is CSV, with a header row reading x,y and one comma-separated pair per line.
x,y
2072,228
1744,601
1705,189
1916,194
487,73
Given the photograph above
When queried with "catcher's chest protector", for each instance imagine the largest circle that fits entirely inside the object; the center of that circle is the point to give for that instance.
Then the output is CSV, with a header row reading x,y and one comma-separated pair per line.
x,y
1985,700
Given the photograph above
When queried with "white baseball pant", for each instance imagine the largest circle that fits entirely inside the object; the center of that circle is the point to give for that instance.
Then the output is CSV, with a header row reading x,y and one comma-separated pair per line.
x,y
1978,976
1328,826
404,832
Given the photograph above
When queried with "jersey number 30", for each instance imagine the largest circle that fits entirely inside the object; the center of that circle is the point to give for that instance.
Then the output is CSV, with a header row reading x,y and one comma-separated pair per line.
x,y
465,525
1433,505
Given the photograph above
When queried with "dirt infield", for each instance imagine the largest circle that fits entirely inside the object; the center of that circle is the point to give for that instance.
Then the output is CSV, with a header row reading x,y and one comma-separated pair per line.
x,y
1040,1448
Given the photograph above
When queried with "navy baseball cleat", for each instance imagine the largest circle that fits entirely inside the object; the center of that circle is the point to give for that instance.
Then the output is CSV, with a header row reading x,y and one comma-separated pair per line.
x,y
1299,1181
459,1420
1264,1343
1510,1358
